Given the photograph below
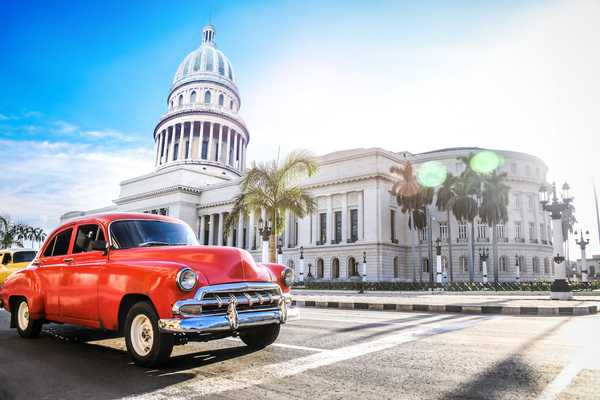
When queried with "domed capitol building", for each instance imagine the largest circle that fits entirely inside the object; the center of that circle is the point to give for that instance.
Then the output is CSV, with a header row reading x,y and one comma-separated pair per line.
x,y
200,156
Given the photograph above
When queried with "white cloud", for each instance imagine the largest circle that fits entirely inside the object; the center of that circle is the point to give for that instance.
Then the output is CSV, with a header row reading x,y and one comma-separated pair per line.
x,y
65,127
110,134
42,180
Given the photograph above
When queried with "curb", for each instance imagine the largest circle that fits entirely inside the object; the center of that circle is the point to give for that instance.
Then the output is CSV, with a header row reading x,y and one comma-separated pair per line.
x,y
440,308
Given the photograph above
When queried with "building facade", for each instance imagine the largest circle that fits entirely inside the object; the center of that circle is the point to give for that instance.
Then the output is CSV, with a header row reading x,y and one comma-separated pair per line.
x,y
200,156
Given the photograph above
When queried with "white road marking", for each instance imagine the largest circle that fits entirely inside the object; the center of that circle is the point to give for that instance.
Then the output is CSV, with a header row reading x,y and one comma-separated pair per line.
x,y
561,381
387,321
286,346
257,376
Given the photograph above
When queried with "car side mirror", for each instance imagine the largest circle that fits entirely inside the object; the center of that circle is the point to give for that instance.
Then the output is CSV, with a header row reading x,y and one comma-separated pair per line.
x,y
99,245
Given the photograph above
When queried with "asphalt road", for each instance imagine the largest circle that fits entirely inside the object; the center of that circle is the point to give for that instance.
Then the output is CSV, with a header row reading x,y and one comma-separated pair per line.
x,y
327,354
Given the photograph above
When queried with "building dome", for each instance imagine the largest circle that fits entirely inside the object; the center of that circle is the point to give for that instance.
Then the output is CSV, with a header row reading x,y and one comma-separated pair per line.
x,y
205,62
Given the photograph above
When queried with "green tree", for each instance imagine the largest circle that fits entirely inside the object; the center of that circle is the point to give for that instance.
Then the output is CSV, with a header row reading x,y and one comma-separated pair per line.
x,y
15,234
273,187
413,200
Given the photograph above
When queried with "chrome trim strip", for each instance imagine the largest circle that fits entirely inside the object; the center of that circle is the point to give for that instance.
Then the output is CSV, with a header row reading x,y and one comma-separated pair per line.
x,y
220,323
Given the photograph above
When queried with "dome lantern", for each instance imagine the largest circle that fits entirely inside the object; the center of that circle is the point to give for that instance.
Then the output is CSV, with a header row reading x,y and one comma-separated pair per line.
x,y
208,35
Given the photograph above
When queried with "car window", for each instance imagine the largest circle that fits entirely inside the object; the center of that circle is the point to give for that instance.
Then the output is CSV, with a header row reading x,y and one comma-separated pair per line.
x,y
60,244
85,235
6,258
49,248
24,256
141,233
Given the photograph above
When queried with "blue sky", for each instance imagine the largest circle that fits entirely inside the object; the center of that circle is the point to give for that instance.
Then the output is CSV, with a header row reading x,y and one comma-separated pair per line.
x,y
84,83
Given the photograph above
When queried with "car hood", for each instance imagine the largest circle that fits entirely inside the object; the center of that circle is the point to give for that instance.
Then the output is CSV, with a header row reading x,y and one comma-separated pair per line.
x,y
213,263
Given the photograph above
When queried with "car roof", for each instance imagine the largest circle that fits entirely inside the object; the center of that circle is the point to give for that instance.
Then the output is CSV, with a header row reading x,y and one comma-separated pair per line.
x,y
107,218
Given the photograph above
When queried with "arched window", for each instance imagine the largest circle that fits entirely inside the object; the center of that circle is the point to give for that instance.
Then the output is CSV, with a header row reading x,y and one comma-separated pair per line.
x,y
320,268
221,99
207,97
546,265
396,267
171,104
335,268
180,100
193,97
352,267
502,264
464,265
425,264
231,104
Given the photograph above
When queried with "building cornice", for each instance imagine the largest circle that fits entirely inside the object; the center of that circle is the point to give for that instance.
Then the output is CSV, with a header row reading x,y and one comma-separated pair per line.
x,y
159,192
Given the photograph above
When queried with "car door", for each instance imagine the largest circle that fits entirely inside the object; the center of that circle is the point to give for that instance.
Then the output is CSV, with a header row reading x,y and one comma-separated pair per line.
x,y
50,267
79,285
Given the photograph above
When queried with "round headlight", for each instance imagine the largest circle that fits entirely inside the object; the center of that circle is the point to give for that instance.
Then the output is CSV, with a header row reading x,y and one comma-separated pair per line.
x,y
186,279
288,277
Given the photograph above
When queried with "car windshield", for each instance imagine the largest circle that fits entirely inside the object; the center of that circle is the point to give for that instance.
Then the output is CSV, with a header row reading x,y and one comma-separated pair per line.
x,y
23,256
146,233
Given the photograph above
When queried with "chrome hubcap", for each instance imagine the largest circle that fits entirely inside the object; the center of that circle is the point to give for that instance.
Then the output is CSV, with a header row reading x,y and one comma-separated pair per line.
x,y
142,335
23,316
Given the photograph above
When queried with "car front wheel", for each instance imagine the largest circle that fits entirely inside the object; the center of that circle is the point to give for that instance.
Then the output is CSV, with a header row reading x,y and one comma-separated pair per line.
x,y
261,337
26,326
147,346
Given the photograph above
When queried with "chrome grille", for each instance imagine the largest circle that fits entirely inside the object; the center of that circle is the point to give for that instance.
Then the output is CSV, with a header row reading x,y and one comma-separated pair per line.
x,y
249,296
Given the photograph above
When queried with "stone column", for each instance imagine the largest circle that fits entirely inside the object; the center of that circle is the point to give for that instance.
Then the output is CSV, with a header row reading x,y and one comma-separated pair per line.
x,y
228,145
240,232
220,144
210,142
229,235
235,145
201,230
220,231
251,230
344,217
172,146
211,230
242,155
158,142
330,227
181,141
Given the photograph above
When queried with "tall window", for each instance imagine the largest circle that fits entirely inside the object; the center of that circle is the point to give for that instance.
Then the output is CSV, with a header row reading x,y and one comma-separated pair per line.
x,y
464,265
207,97
353,225
522,263
502,264
323,228
221,99
338,226
193,97
335,268
536,265
425,264
443,230
532,200
320,269
518,232
546,266
462,231
500,231
396,267
393,225
180,100
352,267
517,201
542,232
532,233
482,230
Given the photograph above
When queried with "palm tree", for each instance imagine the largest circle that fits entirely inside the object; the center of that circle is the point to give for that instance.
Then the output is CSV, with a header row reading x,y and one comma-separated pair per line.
x,y
413,200
493,209
15,234
445,197
273,187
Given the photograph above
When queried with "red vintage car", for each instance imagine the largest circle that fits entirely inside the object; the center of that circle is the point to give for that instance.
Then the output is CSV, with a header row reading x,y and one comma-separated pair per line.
x,y
145,276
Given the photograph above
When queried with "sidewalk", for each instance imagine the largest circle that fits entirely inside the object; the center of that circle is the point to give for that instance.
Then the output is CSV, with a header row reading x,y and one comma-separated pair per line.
x,y
514,303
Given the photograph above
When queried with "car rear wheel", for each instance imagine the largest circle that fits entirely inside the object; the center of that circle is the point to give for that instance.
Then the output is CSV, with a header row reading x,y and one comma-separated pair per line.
x,y
26,326
146,344
260,337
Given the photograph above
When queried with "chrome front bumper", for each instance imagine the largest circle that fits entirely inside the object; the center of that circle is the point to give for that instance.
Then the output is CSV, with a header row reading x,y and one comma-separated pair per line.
x,y
232,319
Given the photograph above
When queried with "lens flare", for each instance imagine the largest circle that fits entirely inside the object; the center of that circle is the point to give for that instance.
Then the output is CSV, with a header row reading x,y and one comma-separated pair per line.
x,y
486,162
432,174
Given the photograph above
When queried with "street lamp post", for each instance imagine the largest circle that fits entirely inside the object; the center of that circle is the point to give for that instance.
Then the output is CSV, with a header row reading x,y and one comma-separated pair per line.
x,y
302,264
264,230
364,273
484,253
438,261
518,269
560,289
583,242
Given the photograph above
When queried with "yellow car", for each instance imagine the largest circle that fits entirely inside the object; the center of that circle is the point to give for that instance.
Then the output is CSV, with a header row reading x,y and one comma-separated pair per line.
x,y
12,260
